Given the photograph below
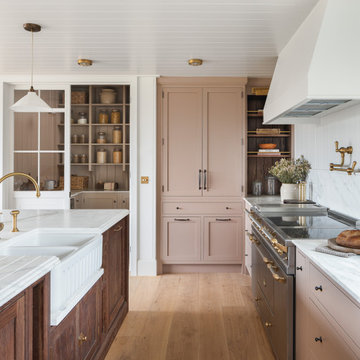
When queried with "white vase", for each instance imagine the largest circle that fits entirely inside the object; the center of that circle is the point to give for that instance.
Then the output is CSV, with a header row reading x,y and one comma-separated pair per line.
x,y
289,192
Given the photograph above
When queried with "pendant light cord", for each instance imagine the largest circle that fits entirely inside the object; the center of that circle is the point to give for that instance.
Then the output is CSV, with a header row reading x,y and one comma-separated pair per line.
x,y
32,61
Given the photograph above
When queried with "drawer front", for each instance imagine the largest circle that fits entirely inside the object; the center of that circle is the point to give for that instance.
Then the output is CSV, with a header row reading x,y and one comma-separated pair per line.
x,y
324,341
181,208
341,308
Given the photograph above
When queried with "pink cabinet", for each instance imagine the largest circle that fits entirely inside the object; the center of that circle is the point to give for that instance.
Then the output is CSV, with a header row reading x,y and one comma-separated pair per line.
x,y
222,149
182,131
222,239
181,239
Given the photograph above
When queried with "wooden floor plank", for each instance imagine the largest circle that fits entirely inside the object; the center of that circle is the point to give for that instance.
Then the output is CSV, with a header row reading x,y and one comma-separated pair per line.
x,y
191,317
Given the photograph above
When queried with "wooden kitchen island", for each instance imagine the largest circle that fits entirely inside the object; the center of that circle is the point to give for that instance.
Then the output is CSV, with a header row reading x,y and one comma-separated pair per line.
x,y
89,328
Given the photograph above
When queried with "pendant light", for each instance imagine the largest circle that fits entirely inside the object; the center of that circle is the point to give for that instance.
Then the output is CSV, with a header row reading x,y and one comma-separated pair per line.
x,y
31,102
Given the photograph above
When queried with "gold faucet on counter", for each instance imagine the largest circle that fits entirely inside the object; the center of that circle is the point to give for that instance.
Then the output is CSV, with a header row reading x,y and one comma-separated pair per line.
x,y
340,167
25,175
15,213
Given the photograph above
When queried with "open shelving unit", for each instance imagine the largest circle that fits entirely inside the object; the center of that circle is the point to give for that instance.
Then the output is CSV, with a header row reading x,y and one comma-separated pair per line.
x,y
99,173
258,164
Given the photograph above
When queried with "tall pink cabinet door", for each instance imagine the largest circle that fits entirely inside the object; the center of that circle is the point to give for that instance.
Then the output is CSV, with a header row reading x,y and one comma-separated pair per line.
x,y
222,239
223,150
182,141
181,239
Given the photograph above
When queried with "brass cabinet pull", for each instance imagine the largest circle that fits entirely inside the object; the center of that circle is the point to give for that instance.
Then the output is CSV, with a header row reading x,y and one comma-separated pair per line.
x,y
268,324
275,276
181,219
319,288
267,261
82,338
318,339
223,219
117,229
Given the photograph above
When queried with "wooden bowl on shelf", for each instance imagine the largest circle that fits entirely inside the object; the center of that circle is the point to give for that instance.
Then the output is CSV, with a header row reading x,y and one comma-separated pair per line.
x,y
267,146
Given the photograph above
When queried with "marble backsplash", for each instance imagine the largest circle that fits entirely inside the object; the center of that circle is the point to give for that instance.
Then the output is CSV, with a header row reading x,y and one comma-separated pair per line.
x,y
335,190
316,142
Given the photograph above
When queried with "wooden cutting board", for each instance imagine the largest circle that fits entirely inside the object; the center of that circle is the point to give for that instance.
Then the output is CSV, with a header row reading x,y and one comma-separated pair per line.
x,y
333,245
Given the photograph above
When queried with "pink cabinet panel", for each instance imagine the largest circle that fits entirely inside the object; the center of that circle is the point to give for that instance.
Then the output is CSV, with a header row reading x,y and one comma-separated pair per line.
x,y
181,239
223,239
181,141
222,148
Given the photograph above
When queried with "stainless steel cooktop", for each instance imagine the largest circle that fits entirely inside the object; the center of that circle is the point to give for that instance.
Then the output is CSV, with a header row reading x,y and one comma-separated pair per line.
x,y
291,208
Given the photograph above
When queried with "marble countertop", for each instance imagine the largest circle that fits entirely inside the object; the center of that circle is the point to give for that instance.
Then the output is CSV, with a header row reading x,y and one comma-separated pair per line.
x,y
19,272
345,272
264,199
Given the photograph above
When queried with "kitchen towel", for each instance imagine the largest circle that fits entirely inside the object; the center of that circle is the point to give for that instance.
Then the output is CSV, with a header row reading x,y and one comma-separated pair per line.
x,y
326,250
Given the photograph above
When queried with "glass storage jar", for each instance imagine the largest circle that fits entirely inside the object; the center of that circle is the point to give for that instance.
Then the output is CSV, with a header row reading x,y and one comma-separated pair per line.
x,y
115,116
117,156
82,139
75,158
103,117
83,158
117,135
101,139
74,138
101,156
257,188
271,185
82,120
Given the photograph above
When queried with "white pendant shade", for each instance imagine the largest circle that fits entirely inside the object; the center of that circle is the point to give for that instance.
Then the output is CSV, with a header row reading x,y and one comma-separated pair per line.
x,y
31,102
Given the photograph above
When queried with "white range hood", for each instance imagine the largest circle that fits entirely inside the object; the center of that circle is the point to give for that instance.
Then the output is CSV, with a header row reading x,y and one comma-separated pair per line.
x,y
318,71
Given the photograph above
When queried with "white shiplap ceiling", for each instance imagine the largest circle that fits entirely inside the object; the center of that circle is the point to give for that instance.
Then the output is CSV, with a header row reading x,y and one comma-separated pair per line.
x,y
234,37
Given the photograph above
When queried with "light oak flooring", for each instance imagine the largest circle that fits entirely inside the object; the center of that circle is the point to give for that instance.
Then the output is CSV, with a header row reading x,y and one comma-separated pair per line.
x,y
191,316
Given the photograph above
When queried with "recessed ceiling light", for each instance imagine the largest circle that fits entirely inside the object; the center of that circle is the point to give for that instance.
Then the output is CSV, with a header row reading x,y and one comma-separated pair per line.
x,y
84,62
195,62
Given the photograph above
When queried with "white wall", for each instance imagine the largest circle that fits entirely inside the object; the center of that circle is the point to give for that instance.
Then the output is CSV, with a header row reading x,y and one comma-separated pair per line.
x,y
336,190
147,167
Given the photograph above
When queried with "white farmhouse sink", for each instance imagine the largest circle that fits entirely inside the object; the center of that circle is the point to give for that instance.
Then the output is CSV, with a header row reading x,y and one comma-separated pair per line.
x,y
80,255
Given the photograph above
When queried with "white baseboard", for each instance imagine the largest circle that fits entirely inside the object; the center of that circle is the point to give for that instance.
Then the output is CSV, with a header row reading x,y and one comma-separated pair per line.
x,y
147,267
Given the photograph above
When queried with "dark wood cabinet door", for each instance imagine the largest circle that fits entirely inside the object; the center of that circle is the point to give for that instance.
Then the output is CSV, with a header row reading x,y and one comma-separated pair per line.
x,y
13,330
64,340
116,265
89,313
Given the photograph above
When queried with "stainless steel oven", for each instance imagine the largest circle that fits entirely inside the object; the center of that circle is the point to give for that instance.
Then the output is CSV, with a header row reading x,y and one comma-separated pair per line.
x,y
273,292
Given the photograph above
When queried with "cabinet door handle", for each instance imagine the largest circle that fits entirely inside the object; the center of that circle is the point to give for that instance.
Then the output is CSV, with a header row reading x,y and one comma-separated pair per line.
x,y
82,338
118,228
205,180
318,288
182,219
299,268
223,219
200,180
318,339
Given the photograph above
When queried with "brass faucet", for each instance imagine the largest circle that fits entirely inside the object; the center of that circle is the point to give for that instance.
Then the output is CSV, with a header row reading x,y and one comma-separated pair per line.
x,y
16,212
25,175
342,151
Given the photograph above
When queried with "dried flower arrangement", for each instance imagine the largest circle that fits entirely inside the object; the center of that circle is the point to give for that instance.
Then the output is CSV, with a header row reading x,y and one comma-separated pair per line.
x,y
291,171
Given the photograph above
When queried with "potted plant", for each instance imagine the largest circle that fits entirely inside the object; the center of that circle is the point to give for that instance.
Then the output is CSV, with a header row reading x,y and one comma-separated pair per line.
x,y
290,173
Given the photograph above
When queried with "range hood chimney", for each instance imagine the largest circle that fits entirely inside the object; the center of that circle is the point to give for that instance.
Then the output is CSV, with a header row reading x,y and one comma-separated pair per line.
x,y
318,71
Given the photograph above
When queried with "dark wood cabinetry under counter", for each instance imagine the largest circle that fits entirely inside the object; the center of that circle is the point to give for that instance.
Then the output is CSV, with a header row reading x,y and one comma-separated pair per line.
x,y
89,329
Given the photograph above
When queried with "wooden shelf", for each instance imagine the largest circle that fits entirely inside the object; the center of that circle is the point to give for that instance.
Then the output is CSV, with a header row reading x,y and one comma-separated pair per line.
x,y
80,124
97,124
109,144
80,104
109,164
269,156
110,105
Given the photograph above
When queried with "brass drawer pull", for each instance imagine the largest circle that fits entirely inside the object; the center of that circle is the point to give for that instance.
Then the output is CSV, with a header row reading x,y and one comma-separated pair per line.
x,y
82,338
275,276
223,219
182,219
318,339
117,229
319,288
267,324
267,261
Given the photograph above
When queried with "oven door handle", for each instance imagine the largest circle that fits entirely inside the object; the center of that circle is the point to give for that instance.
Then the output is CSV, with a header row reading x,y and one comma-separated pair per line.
x,y
266,260
275,276
252,219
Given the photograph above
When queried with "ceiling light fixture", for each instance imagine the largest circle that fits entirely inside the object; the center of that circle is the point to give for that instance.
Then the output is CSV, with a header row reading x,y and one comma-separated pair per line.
x,y
31,102
195,62
84,62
